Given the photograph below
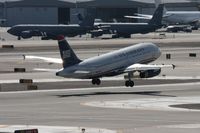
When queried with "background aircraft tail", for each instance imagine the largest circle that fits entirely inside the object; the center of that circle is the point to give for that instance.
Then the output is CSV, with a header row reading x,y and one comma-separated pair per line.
x,y
67,54
157,16
157,3
88,20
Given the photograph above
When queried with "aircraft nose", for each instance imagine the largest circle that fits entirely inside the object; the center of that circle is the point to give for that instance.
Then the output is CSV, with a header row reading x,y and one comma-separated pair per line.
x,y
159,52
10,31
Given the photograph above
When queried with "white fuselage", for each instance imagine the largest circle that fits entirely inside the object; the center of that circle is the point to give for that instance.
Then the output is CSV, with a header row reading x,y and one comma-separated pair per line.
x,y
112,63
181,17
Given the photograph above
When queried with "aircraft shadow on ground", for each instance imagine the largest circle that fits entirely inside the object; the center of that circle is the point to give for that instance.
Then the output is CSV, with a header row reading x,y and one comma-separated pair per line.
x,y
148,93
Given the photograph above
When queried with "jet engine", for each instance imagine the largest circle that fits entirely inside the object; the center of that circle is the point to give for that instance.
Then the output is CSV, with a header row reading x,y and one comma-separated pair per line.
x,y
26,34
150,73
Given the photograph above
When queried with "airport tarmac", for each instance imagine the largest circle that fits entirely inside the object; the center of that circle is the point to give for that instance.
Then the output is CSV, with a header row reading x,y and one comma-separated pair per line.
x,y
168,103
66,108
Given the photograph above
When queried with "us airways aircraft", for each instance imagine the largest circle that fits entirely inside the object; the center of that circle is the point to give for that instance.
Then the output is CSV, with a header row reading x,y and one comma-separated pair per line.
x,y
127,60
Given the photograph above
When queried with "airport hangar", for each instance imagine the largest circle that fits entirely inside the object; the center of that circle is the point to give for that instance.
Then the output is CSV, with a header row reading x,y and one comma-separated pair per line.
x,y
14,12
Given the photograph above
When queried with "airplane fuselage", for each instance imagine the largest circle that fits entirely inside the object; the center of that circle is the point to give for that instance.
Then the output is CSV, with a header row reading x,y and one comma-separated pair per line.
x,y
130,28
37,30
113,63
181,17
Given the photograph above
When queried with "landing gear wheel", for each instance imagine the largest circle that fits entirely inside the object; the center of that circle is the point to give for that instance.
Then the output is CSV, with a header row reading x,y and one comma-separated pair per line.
x,y
129,83
96,81
93,81
19,38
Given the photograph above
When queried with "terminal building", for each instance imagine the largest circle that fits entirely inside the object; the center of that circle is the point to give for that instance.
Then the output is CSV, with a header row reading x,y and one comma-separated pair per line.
x,y
14,12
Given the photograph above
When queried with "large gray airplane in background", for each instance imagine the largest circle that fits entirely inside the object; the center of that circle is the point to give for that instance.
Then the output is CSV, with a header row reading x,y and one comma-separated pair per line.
x,y
47,32
127,60
126,29
174,17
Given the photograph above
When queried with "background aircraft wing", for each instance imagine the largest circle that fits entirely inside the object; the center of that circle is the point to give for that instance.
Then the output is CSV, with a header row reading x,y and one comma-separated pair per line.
x,y
137,17
144,67
46,59
144,15
140,16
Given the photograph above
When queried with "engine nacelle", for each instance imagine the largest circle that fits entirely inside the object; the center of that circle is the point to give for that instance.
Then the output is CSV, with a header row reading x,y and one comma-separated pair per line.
x,y
26,34
150,73
96,33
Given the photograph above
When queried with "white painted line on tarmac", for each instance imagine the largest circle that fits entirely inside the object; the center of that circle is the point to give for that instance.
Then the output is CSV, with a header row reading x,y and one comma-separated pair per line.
x,y
53,129
183,126
160,104
101,88
104,79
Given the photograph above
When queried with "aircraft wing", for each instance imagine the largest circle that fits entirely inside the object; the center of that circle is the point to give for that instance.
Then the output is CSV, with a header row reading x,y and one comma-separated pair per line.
x,y
144,67
144,15
140,16
46,59
137,17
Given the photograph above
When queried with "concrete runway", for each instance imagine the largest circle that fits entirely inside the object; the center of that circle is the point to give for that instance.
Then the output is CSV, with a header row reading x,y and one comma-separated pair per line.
x,y
61,102
66,108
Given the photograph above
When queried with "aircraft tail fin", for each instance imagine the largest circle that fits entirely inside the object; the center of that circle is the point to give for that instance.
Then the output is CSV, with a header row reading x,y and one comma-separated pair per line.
x,y
157,3
88,20
157,16
68,56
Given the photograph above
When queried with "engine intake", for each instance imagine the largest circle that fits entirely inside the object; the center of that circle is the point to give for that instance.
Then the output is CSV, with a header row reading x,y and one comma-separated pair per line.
x,y
150,73
26,34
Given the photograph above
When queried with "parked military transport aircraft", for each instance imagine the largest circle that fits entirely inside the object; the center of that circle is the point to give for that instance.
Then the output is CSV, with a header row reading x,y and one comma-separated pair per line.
x,y
126,29
127,60
47,32
175,17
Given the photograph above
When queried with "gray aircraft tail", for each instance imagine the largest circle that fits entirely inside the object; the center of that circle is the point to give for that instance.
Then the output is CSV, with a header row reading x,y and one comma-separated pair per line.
x,y
67,54
157,16
88,20
158,2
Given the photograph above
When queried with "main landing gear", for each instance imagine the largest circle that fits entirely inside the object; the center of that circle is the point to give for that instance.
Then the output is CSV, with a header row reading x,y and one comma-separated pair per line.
x,y
129,82
96,81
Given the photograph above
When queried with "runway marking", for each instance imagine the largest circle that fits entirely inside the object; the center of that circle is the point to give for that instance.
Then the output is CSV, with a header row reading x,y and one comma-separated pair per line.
x,y
104,79
55,129
182,126
161,104
100,88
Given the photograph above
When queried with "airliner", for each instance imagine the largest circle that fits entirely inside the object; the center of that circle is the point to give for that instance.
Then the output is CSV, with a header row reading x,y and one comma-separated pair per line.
x,y
126,29
49,31
126,60
174,17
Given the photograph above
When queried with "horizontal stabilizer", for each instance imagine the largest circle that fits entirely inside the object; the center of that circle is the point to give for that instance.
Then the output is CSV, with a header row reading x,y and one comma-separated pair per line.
x,y
46,70
46,59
